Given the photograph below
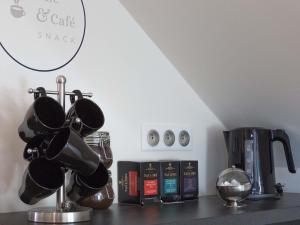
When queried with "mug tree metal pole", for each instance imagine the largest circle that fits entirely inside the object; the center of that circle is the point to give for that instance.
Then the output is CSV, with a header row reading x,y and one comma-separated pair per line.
x,y
61,89
65,211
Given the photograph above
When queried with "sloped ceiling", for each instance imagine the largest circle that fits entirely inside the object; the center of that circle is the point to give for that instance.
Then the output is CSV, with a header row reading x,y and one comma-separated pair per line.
x,y
241,57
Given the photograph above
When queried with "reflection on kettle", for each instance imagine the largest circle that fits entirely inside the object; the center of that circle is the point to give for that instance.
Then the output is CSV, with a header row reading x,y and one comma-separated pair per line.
x,y
251,149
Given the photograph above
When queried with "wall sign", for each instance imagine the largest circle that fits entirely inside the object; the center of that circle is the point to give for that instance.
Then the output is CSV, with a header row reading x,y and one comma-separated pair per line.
x,y
42,35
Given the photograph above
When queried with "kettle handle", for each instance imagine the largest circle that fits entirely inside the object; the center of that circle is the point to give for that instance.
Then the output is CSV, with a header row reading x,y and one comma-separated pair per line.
x,y
280,135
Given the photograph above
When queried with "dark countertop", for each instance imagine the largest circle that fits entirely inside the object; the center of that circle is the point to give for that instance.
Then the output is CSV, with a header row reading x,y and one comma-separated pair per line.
x,y
207,210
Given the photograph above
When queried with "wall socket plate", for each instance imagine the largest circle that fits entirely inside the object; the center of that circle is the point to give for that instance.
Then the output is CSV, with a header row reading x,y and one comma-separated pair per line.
x,y
167,137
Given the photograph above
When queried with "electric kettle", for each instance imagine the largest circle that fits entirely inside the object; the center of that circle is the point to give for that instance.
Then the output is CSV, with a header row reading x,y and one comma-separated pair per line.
x,y
250,149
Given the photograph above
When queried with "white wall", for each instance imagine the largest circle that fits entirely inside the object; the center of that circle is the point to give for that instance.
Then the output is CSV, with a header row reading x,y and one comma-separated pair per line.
x,y
133,83
241,57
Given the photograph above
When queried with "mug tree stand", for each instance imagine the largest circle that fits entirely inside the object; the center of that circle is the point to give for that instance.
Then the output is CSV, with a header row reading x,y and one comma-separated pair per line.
x,y
65,211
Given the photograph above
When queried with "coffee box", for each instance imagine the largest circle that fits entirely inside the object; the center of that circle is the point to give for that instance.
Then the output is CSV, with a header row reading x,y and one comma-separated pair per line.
x,y
139,182
189,180
170,181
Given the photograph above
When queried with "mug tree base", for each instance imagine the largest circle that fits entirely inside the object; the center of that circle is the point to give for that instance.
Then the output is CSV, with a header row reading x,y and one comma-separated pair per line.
x,y
51,215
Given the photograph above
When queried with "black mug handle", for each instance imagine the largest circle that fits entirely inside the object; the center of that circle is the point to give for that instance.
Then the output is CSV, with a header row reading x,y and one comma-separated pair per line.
x,y
76,125
36,146
281,135
76,93
41,93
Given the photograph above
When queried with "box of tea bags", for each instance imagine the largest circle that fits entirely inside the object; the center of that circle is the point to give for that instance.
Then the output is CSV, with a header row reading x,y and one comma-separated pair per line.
x,y
128,182
139,182
170,181
189,180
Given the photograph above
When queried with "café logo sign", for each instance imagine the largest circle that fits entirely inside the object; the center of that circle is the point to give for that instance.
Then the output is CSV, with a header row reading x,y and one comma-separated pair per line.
x,y
16,10
42,35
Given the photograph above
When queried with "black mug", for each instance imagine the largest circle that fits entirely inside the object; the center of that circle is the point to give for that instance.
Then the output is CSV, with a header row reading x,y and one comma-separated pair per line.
x,y
68,149
103,199
84,186
40,180
84,116
44,117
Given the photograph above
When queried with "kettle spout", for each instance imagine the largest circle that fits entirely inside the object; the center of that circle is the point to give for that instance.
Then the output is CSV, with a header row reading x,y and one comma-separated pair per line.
x,y
226,137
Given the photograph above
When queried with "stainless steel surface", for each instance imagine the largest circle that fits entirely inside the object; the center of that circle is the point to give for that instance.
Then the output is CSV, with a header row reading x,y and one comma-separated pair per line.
x,y
233,186
31,91
51,215
61,89
61,196
61,79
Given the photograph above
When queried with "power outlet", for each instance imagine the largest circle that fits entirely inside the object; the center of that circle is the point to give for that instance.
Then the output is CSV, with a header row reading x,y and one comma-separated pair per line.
x,y
167,137
153,138
184,138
